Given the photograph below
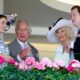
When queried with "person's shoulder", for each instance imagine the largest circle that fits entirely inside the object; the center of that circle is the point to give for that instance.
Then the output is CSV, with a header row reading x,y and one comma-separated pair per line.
x,y
2,44
12,43
33,47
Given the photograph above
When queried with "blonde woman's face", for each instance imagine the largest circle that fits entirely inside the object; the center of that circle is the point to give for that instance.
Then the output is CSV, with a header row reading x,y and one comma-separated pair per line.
x,y
61,34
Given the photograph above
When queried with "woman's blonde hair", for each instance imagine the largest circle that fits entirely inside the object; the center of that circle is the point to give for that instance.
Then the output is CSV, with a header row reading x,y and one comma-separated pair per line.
x,y
70,32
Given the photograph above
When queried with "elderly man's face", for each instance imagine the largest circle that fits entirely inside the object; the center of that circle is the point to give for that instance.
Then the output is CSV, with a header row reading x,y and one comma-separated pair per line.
x,y
75,16
22,32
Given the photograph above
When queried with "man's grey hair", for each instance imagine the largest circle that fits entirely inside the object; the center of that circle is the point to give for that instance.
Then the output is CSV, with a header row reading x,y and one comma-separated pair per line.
x,y
23,21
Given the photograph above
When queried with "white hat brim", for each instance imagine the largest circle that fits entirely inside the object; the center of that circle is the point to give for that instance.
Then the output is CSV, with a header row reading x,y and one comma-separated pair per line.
x,y
51,36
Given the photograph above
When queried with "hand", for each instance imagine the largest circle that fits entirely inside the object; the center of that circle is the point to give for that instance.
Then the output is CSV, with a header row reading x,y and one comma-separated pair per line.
x,y
25,52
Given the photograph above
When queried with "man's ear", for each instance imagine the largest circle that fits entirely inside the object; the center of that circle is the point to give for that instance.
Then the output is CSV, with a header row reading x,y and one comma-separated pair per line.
x,y
29,34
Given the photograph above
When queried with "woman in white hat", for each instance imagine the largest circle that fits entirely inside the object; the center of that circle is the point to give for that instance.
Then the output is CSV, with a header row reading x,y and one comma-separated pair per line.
x,y
63,33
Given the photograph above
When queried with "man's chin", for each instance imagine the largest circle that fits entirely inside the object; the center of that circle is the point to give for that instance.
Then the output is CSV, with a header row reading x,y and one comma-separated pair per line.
x,y
23,40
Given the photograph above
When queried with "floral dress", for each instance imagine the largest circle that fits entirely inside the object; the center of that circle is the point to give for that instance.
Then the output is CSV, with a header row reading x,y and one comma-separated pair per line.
x,y
3,48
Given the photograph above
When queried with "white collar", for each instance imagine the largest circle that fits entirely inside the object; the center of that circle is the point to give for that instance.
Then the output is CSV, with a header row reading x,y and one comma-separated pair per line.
x,y
22,43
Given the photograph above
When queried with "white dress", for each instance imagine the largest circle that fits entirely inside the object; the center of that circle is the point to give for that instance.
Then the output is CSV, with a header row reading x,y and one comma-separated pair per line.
x,y
62,56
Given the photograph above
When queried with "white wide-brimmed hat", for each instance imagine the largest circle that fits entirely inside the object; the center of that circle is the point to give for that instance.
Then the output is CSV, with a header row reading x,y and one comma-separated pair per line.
x,y
61,23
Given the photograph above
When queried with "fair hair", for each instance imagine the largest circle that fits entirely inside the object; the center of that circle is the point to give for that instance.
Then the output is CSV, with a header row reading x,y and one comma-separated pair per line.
x,y
70,32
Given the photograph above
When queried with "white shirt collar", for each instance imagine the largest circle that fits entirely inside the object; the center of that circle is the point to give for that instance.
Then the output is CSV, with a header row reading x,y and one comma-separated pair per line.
x,y
22,43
